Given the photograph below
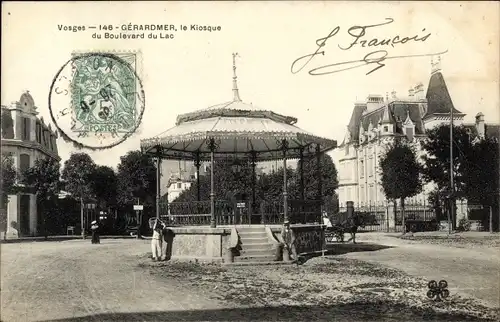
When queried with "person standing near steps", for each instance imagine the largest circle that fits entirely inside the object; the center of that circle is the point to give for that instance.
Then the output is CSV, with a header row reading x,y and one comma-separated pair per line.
x,y
156,241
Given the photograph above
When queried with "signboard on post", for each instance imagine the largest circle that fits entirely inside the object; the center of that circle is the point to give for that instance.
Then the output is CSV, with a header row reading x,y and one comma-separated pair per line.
x,y
475,207
240,205
138,207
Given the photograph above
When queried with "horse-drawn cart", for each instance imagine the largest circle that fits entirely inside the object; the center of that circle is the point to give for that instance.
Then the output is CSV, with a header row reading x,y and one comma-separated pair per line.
x,y
337,230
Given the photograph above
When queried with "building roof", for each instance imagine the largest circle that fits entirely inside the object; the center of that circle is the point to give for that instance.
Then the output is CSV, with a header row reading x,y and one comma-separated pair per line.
x,y
235,128
395,112
438,97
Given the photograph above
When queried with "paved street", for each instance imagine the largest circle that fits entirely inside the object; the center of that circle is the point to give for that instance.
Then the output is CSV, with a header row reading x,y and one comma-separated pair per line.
x,y
471,271
60,280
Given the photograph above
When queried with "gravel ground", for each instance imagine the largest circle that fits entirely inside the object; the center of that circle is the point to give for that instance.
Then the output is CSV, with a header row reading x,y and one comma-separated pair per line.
x,y
456,241
328,288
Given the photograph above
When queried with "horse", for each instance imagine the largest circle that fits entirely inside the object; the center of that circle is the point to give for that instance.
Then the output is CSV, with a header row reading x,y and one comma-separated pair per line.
x,y
349,225
352,224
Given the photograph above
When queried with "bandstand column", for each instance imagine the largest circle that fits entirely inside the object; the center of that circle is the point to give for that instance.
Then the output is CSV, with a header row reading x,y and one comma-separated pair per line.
x,y
301,170
284,148
253,164
158,185
197,163
212,146
318,173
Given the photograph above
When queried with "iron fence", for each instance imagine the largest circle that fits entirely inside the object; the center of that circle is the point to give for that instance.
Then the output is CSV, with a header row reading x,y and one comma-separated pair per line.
x,y
388,217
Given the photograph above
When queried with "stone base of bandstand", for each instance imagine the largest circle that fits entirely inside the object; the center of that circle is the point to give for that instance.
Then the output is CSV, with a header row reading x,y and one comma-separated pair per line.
x,y
202,244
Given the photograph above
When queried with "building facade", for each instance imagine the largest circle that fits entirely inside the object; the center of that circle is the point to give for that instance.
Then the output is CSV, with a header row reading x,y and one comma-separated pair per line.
x,y
26,138
374,125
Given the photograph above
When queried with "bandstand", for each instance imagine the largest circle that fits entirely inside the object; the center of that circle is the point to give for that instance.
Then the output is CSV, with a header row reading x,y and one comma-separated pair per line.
x,y
209,229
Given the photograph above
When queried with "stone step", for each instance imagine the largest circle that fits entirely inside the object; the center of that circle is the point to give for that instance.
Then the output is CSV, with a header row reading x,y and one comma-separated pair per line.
x,y
252,234
253,240
258,251
263,245
251,229
254,258
260,263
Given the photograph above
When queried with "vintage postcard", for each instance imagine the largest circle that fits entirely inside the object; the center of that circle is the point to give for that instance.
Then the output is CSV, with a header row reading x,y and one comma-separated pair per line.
x,y
250,160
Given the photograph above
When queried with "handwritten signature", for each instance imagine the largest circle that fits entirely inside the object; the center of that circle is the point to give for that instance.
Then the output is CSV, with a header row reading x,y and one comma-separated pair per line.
x,y
376,57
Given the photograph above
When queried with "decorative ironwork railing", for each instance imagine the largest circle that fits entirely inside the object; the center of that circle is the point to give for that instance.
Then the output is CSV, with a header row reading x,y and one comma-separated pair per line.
x,y
305,211
197,213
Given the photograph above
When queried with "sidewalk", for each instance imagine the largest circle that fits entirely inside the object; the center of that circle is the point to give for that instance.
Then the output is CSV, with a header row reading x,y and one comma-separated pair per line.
x,y
440,234
62,238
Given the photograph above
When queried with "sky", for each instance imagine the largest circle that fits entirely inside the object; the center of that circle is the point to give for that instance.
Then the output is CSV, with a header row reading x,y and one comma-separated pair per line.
x,y
193,70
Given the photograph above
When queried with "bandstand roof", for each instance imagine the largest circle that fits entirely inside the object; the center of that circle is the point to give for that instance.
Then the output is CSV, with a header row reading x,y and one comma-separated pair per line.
x,y
238,129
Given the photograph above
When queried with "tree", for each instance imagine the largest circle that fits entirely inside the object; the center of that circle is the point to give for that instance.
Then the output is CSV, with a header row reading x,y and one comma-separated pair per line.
x,y
77,178
43,178
482,182
329,180
104,186
400,174
437,159
77,175
136,180
8,185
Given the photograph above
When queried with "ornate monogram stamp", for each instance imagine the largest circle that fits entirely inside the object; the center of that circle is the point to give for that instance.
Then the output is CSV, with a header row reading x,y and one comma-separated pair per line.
x,y
96,99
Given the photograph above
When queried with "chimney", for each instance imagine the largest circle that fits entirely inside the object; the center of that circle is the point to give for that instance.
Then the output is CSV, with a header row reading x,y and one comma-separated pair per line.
x,y
419,91
480,125
393,93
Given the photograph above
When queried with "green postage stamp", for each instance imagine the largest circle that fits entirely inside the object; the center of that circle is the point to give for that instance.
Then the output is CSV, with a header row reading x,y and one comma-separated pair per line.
x,y
96,99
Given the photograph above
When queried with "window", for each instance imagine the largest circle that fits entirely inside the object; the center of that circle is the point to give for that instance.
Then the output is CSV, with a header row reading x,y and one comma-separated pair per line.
x,y
24,163
362,168
386,128
179,185
410,132
26,129
37,132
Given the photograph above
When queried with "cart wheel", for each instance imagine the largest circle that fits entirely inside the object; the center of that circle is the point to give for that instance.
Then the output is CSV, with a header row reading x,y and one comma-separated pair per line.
x,y
430,294
432,284
445,294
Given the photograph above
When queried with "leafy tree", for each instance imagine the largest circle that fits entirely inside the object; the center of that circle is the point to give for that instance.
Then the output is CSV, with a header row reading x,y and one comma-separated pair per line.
x,y
481,164
104,186
9,176
43,178
77,175
136,180
400,173
8,185
437,159
329,180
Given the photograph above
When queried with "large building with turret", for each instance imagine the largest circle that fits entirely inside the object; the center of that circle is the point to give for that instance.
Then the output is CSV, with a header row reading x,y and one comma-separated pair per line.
x,y
378,120
25,138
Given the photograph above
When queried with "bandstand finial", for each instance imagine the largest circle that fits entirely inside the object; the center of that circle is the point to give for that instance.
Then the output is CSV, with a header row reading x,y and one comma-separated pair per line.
x,y
236,95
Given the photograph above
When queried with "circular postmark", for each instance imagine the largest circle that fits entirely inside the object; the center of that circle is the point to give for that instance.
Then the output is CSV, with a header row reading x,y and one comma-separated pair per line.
x,y
96,100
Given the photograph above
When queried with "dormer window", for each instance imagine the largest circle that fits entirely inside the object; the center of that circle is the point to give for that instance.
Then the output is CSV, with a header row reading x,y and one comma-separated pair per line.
x,y
386,128
409,127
